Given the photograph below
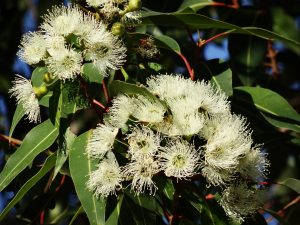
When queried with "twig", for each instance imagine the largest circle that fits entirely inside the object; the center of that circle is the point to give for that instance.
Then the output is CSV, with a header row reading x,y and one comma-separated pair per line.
x,y
105,91
10,139
203,42
234,5
99,104
273,62
188,66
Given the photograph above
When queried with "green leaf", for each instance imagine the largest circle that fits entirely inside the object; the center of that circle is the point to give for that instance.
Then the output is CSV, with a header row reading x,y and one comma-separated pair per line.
x,y
284,24
169,189
38,76
44,100
37,140
92,74
63,151
208,215
167,42
270,102
195,5
278,122
147,202
197,21
114,216
80,167
224,81
79,211
120,87
292,183
48,165
18,115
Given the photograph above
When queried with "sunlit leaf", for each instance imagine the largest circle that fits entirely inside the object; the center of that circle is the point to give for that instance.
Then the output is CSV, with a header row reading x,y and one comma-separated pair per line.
x,y
37,140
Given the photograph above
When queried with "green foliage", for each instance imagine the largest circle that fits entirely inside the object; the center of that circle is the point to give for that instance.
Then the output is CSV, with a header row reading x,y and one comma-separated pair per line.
x,y
75,106
36,141
80,167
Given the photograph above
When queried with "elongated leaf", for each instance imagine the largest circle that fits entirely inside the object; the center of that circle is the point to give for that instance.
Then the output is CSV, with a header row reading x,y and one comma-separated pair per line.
x,y
198,21
224,82
80,167
114,216
168,43
48,165
63,151
37,140
277,122
270,102
292,183
18,115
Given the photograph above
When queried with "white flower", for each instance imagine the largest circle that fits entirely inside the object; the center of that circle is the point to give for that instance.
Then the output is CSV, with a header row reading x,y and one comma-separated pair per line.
x,y
169,86
62,20
141,172
101,140
216,176
134,18
186,116
253,165
214,102
200,96
120,111
55,45
179,159
228,140
146,110
105,50
240,201
143,142
24,93
32,48
66,64
106,180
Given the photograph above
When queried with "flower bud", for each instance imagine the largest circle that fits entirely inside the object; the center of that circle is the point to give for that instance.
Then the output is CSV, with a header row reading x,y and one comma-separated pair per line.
x,y
118,29
40,91
134,5
48,78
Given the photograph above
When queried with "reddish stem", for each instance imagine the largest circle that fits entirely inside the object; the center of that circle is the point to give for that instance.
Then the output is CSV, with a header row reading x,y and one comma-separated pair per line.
x,y
188,66
62,181
201,43
99,104
42,217
234,5
105,91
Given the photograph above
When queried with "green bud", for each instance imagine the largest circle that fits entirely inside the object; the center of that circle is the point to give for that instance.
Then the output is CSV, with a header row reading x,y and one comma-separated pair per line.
x,y
134,5
48,78
40,91
118,29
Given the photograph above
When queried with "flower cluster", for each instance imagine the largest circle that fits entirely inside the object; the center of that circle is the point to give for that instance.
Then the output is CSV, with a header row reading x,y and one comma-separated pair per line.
x,y
184,128
66,40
